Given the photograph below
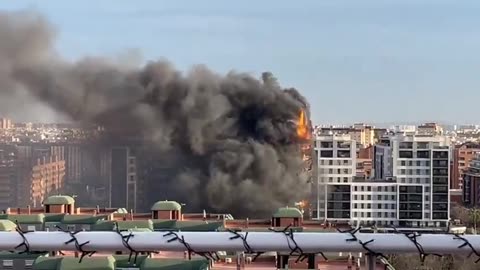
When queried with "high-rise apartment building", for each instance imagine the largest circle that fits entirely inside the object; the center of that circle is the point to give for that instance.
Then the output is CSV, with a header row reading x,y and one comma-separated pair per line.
x,y
336,161
420,167
462,156
47,177
471,183
8,176
409,187
123,178
29,174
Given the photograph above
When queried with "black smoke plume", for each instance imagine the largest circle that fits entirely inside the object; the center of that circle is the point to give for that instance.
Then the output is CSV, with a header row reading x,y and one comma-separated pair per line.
x,y
230,139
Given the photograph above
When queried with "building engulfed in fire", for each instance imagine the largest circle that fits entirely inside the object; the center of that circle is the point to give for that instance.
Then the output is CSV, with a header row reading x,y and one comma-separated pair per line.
x,y
304,133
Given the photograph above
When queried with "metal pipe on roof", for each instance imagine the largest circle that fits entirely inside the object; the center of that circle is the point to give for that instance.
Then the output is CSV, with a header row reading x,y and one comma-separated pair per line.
x,y
251,242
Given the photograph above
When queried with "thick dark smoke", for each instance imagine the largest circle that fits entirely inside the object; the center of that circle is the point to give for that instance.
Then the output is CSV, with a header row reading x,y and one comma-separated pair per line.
x,y
234,134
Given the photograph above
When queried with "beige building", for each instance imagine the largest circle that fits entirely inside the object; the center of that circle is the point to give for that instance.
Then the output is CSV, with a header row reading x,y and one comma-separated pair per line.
x,y
5,123
363,134
430,129
47,178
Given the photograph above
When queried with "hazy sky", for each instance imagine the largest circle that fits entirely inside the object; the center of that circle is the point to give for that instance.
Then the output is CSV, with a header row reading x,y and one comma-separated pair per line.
x,y
368,60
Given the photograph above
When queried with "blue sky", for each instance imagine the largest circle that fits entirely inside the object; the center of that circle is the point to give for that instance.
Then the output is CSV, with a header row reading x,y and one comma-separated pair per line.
x,y
370,60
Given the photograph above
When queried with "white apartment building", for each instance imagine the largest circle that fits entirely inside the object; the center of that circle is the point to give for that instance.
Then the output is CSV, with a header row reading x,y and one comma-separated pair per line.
x,y
420,165
410,187
336,159
374,202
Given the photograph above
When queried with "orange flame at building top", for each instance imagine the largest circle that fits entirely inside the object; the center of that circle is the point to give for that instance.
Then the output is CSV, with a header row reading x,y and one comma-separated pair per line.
x,y
302,126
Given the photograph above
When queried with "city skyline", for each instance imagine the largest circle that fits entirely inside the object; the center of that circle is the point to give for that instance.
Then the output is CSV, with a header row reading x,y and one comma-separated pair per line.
x,y
374,52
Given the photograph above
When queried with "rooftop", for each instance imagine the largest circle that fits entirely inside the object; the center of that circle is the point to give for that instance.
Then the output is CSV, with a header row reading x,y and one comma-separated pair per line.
x,y
59,200
288,212
166,206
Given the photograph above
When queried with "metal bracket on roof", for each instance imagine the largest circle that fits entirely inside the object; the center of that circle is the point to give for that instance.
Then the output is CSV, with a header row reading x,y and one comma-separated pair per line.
x,y
126,244
181,239
413,238
24,243
79,246
467,243
352,232
248,249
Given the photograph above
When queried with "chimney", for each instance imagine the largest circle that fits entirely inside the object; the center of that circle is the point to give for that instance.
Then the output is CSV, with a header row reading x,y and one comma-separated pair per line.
x,y
131,214
29,209
98,209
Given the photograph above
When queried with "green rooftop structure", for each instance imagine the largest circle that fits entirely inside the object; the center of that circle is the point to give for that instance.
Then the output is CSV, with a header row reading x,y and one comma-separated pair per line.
x,y
24,218
125,261
174,264
59,200
46,263
88,263
81,219
143,262
7,225
166,206
288,212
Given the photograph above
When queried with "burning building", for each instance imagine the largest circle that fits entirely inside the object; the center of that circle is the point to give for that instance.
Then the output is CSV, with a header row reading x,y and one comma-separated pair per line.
x,y
229,136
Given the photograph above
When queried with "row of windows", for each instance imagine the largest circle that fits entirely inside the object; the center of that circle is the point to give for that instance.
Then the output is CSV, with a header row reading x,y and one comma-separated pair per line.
x,y
337,162
374,188
329,144
334,171
414,163
335,179
409,145
375,214
369,206
377,197
414,172
418,180
330,154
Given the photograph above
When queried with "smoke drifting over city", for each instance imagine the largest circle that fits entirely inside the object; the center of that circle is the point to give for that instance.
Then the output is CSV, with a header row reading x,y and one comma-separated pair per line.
x,y
233,133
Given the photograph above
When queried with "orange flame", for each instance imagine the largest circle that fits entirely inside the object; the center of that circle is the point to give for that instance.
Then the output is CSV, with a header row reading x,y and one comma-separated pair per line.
x,y
302,126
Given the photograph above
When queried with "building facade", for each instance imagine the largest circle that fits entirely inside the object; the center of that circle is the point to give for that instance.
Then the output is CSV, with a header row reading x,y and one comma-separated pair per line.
x,y
336,161
6,123
420,167
462,156
471,180
123,179
409,187
47,178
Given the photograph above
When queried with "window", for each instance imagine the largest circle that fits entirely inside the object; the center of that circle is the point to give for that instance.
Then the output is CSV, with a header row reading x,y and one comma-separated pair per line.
x,y
326,154
369,214
369,188
355,188
7,263
379,197
379,206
